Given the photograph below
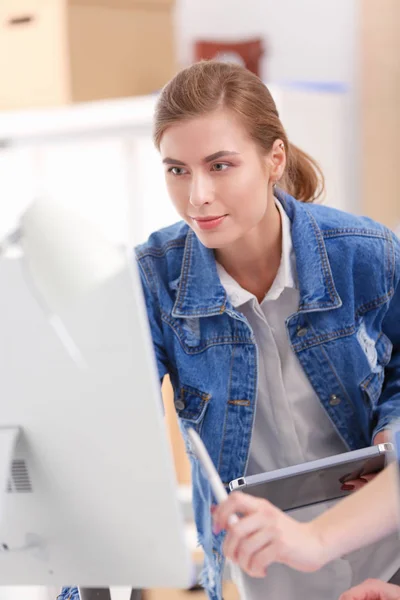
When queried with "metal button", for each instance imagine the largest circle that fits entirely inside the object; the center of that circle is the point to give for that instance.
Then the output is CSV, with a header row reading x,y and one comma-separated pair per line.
x,y
302,331
179,404
334,400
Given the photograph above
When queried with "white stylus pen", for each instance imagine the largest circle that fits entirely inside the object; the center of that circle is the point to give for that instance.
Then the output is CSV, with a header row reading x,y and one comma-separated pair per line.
x,y
215,481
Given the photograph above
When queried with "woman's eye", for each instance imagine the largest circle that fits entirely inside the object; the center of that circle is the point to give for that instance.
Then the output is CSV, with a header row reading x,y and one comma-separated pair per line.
x,y
176,171
219,167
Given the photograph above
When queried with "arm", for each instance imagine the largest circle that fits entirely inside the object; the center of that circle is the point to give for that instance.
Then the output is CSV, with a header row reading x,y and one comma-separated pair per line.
x,y
388,406
154,317
360,519
265,535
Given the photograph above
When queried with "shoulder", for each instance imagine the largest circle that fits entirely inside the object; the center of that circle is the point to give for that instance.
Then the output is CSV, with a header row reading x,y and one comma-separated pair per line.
x,y
337,223
331,222
353,244
362,242
162,241
160,258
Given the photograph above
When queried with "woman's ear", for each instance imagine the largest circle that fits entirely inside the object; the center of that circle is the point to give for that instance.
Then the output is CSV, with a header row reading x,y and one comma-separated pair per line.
x,y
277,160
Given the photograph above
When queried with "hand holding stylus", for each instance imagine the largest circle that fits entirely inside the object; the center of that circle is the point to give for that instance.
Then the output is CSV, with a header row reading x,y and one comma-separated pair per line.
x,y
263,534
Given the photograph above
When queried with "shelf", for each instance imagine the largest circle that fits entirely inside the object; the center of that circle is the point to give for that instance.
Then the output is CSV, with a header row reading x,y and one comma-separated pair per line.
x,y
93,118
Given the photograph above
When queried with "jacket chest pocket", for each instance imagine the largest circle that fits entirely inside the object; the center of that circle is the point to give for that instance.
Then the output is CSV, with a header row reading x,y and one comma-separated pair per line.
x,y
191,405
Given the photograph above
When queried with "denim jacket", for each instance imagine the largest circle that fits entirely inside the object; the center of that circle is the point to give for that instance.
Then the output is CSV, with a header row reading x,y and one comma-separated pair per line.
x,y
345,333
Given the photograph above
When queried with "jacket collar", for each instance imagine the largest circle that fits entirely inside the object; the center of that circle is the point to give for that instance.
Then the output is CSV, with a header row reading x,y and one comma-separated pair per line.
x,y
201,294
317,287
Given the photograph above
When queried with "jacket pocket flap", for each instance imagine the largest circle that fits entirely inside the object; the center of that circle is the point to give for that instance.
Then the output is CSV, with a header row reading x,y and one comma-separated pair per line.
x,y
191,404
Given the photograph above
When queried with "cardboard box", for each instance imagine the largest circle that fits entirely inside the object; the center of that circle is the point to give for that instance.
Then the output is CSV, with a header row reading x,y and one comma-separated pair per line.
x,y
54,52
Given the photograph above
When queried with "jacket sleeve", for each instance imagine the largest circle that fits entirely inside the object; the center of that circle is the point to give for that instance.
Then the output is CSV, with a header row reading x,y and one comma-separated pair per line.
x,y
154,317
388,407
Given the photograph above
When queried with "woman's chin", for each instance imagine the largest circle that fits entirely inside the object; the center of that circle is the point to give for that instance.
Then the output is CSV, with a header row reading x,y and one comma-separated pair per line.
x,y
216,241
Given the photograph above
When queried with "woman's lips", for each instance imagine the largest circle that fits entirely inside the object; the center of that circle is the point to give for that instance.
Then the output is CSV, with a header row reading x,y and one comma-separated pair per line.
x,y
209,222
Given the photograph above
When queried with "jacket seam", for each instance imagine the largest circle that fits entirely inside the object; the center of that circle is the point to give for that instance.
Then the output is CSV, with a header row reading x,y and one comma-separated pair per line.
x,y
320,339
376,303
349,231
340,383
392,264
323,256
203,312
204,397
226,412
146,274
218,340
160,252
187,257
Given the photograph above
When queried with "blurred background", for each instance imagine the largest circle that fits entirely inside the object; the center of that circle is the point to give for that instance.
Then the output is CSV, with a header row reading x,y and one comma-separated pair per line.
x,y
79,80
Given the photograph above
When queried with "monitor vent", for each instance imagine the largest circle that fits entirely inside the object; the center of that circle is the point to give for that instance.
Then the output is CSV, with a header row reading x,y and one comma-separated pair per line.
x,y
19,481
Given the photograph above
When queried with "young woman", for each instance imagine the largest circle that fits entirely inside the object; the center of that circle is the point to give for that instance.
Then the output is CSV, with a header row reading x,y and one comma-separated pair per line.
x,y
278,320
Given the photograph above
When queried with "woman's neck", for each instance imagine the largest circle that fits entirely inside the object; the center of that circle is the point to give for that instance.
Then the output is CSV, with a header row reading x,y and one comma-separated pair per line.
x,y
253,261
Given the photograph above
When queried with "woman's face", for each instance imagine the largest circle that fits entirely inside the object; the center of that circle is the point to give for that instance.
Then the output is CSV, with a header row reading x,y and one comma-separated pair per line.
x,y
217,178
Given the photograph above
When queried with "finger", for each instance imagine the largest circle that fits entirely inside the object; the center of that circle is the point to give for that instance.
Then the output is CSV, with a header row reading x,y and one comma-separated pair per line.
x,y
356,484
262,559
369,477
239,532
382,437
237,502
256,552
372,589
353,485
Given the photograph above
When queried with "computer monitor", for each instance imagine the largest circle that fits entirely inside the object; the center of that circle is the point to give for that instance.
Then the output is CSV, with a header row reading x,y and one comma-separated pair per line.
x,y
91,498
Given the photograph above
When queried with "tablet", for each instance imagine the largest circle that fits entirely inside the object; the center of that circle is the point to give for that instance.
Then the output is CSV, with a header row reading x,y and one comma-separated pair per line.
x,y
315,481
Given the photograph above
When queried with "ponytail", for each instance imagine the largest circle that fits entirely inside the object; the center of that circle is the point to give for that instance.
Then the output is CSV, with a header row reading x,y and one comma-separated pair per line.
x,y
303,178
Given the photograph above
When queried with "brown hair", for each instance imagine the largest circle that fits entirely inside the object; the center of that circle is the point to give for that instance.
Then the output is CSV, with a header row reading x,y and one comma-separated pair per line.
x,y
208,85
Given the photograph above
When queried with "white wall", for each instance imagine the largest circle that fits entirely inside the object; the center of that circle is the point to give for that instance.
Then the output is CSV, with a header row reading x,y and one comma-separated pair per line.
x,y
117,181
306,39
